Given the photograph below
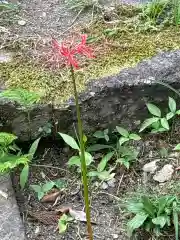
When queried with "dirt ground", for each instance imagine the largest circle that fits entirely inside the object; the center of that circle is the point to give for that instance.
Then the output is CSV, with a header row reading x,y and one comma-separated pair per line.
x,y
108,215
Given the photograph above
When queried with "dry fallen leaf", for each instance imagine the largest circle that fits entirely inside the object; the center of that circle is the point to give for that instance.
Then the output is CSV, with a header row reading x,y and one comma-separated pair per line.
x,y
45,217
78,215
51,196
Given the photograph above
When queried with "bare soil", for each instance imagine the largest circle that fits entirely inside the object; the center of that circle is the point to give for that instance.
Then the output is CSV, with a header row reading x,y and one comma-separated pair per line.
x,y
108,216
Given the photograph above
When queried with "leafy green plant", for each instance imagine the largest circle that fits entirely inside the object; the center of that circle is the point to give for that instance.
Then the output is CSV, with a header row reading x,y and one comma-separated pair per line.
x,y
123,153
154,214
23,97
63,222
126,155
10,157
42,189
176,8
157,122
126,136
102,135
76,160
101,173
25,171
153,10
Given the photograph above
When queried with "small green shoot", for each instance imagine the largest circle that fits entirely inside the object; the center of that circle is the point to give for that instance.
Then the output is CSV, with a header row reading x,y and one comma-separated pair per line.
x,y
102,135
157,122
101,173
63,222
42,189
154,214
126,136
76,160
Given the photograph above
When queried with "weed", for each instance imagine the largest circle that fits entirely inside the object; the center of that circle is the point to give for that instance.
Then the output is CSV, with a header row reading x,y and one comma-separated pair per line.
x,y
63,222
157,122
154,214
43,189
23,97
10,155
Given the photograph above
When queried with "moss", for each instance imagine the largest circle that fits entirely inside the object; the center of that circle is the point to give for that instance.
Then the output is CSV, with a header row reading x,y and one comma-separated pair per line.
x,y
123,50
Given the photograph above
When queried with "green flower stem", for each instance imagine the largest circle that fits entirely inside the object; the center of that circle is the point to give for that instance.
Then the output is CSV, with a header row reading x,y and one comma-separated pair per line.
x,y
83,162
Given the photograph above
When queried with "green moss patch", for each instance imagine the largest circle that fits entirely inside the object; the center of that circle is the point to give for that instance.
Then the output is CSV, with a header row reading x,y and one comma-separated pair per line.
x,y
125,49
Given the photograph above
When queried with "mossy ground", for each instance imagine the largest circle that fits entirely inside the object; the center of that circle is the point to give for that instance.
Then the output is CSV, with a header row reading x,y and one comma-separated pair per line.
x,y
124,49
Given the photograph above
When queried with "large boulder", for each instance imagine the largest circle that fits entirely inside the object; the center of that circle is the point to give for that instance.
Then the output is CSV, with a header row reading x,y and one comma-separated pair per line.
x,y
106,102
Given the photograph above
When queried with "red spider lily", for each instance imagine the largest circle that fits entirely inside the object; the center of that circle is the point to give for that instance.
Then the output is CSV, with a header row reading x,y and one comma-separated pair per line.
x,y
70,52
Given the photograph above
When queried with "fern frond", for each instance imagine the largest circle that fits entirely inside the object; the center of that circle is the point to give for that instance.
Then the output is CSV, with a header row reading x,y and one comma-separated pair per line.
x,y
21,96
8,162
6,139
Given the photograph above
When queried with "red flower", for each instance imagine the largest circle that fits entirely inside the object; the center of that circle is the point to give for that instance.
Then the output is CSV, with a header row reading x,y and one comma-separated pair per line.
x,y
69,52
83,49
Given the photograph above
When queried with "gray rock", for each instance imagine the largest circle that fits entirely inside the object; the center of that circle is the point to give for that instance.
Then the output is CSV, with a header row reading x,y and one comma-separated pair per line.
x,y
111,183
104,186
11,226
118,99
5,57
150,167
164,174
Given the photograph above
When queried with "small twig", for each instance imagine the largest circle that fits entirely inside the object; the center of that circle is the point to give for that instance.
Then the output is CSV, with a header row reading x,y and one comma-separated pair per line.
x,y
111,195
120,181
48,166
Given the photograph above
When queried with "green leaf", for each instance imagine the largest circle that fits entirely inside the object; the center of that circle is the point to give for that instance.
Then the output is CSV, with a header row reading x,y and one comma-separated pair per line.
x,y
93,174
136,222
126,163
21,96
88,158
123,140
6,138
153,109
60,183
24,176
172,105
70,141
8,162
162,204
97,147
156,125
165,123
148,206
148,122
123,131
134,136
175,220
47,186
62,223
178,112
105,175
161,220
36,188
84,138
103,162
169,115
99,134
40,195
74,160
177,147
134,207
33,148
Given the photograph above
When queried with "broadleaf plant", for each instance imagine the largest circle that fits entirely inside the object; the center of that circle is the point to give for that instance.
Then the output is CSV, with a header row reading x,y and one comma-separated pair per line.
x,y
154,214
158,123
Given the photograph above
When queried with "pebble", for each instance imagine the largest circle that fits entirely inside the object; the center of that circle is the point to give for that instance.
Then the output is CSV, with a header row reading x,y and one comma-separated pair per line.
x,y
111,182
150,167
22,22
115,236
164,174
104,186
